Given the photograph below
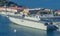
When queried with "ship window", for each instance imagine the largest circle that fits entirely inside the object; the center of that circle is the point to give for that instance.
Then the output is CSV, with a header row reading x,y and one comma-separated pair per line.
x,y
33,12
45,12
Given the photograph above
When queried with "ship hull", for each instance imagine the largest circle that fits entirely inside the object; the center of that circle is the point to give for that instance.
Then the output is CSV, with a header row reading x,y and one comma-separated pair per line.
x,y
27,23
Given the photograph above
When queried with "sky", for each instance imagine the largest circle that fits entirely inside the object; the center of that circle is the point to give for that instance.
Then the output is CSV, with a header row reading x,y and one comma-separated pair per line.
x,y
50,4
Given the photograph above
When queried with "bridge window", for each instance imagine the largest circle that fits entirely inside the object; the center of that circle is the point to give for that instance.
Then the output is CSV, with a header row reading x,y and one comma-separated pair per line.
x,y
45,12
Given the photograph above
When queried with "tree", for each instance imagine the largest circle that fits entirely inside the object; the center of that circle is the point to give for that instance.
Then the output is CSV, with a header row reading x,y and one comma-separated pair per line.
x,y
2,2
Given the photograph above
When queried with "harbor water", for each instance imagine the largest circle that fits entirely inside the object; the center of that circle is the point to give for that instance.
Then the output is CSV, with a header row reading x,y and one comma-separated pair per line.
x,y
7,28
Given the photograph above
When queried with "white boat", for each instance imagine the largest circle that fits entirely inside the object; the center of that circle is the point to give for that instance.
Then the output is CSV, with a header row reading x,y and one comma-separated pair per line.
x,y
28,22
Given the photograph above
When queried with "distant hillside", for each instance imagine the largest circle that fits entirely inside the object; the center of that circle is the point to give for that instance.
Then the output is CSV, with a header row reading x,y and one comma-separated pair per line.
x,y
8,3
3,2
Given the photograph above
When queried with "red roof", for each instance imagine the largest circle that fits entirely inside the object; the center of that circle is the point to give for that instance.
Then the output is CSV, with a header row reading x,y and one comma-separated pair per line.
x,y
16,8
57,11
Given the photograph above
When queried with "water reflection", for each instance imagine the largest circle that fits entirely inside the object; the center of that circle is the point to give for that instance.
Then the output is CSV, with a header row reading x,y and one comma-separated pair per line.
x,y
26,31
4,25
50,33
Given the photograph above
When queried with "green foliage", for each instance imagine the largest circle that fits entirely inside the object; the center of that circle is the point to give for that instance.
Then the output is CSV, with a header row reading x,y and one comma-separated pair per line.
x,y
4,1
